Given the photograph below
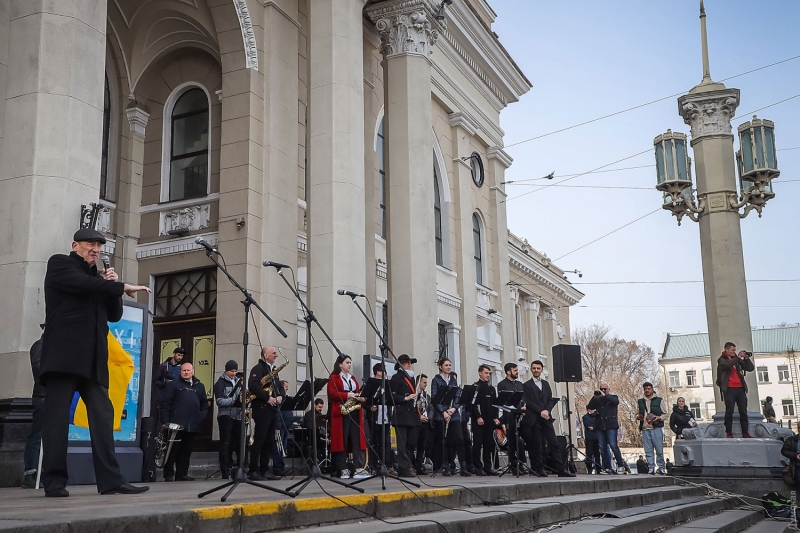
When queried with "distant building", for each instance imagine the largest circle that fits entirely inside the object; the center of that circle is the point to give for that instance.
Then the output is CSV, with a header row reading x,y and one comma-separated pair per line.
x,y
685,361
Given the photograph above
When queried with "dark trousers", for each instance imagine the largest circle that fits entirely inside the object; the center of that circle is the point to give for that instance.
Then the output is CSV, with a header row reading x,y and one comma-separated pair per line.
x,y
405,447
533,436
447,449
736,396
381,437
55,431
466,438
516,452
420,440
32,445
482,444
264,437
177,464
229,434
593,459
351,433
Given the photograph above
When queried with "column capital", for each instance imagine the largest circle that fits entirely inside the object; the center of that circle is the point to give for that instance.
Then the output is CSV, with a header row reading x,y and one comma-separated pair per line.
x,y
495,152
709,113
137,119
406,26
465,121
532,303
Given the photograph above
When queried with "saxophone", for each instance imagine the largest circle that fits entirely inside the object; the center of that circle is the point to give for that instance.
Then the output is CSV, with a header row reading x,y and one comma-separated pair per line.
x,y
266,382
349,406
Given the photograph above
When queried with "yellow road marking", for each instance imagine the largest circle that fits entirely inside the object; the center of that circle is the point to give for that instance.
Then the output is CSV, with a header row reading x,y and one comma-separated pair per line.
x,y
310,504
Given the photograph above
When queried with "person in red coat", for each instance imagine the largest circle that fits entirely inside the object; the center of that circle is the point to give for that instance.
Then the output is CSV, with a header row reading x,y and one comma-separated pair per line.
x,y
346,430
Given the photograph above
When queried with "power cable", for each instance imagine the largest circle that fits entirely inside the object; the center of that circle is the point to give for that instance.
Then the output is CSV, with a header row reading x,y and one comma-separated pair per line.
x,y
765,107
647,104
609,233
571,175
683,306
658,282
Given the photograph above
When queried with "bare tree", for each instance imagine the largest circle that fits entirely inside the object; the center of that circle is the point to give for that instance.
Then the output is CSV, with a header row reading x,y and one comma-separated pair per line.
x,y
624,365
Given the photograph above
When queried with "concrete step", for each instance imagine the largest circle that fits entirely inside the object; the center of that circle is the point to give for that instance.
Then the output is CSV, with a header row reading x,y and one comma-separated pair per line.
x,y
769,526
731,521
638,511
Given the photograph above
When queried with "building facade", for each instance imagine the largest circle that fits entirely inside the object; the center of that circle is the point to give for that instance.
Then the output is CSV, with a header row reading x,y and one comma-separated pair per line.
x,y
357,142
685,360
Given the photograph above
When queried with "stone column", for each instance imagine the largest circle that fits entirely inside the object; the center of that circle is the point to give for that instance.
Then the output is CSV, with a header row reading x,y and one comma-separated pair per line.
x,y
463,129
407,34
130,193
454,341
497,236
708,110
532,304
53,127
336,208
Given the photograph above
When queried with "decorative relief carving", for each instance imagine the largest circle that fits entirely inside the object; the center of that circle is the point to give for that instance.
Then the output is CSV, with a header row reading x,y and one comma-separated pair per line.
x,y
103,220
189,219
483,298
137,119
248,36
513,292
560,331
532,303
550,313
709,113
405,27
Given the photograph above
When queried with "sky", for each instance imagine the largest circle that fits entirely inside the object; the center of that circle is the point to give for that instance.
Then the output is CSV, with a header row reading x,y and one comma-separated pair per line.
x,y
587,59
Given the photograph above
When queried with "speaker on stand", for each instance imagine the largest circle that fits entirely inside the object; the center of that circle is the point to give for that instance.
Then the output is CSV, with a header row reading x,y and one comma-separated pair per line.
x,y
567,368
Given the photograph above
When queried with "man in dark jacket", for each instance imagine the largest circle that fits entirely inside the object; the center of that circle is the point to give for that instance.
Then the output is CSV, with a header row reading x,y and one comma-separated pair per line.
x,y
32,445
484,421
406,417
168,371
537,424
79,303
606,405
265,407
509,420
184,403
227,394
769,411
731,370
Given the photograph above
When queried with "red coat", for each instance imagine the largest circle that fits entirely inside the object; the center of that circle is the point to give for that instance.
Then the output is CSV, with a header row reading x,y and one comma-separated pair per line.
x,y
336,397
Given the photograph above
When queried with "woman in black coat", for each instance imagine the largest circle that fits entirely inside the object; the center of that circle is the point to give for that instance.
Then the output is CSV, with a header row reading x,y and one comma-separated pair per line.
x,y
681,418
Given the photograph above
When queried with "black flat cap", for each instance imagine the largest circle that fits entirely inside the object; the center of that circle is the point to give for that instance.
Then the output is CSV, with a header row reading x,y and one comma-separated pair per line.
x,y
88,235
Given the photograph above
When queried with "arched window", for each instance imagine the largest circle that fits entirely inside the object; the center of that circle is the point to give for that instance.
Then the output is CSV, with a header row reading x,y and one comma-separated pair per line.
x,y
379,147
477,237
437,216
188,171
106,136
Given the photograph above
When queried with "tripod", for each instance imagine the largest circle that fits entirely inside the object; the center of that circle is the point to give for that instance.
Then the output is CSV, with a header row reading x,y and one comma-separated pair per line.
x,y
314,470
514,466
383,473
240,477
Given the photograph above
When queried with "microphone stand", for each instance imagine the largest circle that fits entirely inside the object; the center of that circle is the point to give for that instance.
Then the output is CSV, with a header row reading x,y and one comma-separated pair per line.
x,y
239,476
314,472
382,471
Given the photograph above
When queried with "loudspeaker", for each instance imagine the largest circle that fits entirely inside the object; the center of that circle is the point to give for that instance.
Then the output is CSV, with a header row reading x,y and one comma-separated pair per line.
x,y
567,363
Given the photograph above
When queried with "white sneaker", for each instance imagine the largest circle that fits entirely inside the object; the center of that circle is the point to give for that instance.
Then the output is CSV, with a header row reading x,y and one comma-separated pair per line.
x,y
346,474
361,474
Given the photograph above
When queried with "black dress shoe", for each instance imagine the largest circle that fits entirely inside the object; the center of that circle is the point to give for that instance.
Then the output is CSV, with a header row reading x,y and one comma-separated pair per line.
x,y
566,473
58,493
476,472
540,473
169,479
270,477
465,473
490,472
127,488
406,473
255,476
185,478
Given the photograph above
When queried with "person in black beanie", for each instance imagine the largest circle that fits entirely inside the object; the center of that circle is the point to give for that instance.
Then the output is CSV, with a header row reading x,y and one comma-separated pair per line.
x,y
227,394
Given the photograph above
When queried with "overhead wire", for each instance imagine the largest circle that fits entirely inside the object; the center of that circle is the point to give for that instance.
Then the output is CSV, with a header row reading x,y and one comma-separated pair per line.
x,y
609,233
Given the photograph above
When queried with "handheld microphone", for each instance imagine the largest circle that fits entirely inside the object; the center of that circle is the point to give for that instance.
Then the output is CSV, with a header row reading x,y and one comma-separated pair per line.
x,y
273,264
342,292
204,244
106,262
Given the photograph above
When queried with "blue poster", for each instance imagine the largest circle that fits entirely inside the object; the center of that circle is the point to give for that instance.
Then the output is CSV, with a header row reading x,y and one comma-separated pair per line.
x,y
125,353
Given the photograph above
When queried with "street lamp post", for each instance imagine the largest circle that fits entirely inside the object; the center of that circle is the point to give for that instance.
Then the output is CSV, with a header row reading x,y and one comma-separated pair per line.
x,y
715,205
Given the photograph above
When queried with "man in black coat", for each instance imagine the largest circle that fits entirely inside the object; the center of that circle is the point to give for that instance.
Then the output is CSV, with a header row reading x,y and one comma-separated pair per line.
x,y
484,422
265,414
184,403
537,424
79,303
512,383
405,416
607,406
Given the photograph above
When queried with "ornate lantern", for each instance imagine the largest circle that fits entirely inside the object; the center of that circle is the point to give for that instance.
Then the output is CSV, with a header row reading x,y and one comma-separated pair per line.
x,y
758,164
674,174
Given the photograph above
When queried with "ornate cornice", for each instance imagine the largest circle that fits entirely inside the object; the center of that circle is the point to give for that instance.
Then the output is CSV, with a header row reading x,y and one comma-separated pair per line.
x,y
474,66
465,121
495,152
248,35
406,26
559,287
709,113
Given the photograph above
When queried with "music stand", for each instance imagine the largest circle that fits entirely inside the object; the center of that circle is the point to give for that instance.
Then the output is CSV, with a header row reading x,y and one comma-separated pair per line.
x,y
240,477
507,401
383,473
308,316
445,396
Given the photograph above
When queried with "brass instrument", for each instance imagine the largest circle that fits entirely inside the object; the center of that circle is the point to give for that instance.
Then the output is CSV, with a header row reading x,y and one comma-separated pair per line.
x,y
421,403
164,441
266,382
350,406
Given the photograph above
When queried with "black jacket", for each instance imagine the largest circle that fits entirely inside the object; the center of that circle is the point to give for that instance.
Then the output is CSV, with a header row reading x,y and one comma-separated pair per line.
x,y
537,401
79,303
184,404
507,384
680,419
484,403
789,450
724,367
405,413
379,399
254,386
606,410
36,359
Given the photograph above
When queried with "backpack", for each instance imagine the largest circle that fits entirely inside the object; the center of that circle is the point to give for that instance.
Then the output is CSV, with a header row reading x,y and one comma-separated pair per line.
x,y
777,506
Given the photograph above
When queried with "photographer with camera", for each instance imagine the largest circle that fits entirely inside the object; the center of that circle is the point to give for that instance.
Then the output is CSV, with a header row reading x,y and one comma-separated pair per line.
x,y
731,369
